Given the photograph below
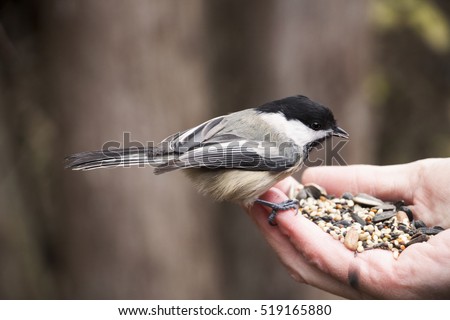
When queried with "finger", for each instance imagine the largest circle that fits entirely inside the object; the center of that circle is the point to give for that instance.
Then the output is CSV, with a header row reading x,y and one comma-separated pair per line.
x,y
287,184
426,283
281,245
299,266
366,274
373,271
387,182
352,276
352,272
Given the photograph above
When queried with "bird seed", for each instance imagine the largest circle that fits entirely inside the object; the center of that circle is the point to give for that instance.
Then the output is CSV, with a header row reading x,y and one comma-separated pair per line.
x,y
362,222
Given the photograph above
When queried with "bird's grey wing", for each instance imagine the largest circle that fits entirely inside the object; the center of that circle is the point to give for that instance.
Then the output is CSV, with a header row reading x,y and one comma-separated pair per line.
x,y
212,145
237,154
184,141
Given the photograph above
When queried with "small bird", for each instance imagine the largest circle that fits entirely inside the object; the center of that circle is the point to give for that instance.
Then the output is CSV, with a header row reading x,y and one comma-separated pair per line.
x,y
235,157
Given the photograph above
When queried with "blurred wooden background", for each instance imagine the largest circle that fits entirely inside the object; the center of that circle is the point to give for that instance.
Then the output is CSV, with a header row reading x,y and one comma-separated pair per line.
x,y
76,74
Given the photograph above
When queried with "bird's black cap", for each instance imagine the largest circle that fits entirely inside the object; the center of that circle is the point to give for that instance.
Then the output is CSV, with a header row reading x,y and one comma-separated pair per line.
x,y
312,114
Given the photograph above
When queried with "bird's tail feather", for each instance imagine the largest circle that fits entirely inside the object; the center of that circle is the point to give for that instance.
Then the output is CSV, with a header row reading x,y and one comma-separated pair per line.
x,y
111,158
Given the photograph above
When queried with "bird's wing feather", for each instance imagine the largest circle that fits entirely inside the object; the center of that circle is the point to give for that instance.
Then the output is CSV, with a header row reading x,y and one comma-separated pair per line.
x,y
184,141
211,145
236,154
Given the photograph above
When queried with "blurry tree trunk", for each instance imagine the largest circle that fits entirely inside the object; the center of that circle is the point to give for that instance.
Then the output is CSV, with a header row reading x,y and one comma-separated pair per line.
x,y
114,67
240,77
271,50
323,49
80,73
26,133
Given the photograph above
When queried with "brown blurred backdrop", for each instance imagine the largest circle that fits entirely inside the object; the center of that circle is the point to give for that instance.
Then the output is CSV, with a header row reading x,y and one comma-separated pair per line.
x,y
76,74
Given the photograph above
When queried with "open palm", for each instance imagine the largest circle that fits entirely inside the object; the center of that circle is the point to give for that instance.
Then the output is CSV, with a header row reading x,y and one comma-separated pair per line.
x,y
314,257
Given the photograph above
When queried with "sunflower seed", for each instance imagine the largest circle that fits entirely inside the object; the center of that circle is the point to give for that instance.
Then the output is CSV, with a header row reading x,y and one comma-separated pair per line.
x,y
419,224
315,191
420,238
347,196
383,216
367,200
301,194
358,219
385,207
407,211
429,231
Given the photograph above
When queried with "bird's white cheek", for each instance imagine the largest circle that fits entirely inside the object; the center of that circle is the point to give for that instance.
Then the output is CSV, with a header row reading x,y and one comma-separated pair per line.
x,y
295,130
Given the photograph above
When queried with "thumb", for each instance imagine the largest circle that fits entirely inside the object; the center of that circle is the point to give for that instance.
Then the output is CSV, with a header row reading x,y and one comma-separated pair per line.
x,y
386,182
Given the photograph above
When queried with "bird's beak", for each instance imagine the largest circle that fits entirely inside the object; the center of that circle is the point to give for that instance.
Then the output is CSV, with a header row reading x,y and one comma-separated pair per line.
x,y
339,132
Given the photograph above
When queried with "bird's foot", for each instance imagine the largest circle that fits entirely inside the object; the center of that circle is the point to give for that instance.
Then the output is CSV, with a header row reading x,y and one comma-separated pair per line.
x,y
282,206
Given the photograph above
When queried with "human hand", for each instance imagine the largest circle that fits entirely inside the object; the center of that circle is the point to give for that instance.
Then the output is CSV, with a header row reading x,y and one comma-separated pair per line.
x,y
314,257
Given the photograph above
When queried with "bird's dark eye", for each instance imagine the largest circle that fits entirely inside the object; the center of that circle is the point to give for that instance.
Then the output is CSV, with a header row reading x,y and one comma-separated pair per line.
x,y
316,126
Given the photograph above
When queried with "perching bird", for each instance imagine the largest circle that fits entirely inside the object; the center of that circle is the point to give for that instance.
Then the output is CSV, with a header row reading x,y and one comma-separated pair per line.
x,y
236,157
